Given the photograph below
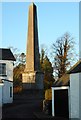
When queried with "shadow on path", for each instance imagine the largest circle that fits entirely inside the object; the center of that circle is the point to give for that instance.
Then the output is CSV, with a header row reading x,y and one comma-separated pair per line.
x,y
25,104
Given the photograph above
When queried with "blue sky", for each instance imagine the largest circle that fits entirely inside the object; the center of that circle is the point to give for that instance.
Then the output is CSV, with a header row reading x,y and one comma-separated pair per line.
x,y
54,19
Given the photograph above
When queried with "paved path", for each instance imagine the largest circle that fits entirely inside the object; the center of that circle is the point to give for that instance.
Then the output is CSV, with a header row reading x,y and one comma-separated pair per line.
x,y
24,105
27,105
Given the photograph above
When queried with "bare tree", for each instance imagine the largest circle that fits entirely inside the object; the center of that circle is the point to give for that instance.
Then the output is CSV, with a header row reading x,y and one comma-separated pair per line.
x,y
20,57
64,55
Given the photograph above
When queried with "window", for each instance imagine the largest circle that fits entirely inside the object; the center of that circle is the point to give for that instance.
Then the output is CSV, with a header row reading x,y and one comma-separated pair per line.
x,y
2,69
10,91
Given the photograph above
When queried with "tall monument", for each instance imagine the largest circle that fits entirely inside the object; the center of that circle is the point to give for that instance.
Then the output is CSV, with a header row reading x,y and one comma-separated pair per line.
x,y
32,77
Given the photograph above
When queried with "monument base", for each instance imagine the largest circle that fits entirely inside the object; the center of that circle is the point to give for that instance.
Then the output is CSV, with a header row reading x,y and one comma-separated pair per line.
x,y
33,80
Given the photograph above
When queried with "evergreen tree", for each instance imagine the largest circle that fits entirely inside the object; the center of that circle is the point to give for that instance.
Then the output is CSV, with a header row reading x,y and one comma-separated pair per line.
x,y
46,67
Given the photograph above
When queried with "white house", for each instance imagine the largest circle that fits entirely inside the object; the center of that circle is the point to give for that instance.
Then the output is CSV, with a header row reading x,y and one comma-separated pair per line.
x,y
66,94
6,76
75,91
1,85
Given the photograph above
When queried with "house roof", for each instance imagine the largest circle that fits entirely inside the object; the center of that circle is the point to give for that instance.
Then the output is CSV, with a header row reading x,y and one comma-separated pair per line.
x,y
6,54
63,81
76,68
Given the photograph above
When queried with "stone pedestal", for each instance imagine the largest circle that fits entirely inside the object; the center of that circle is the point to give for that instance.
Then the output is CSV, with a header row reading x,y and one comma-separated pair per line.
x,y
32,80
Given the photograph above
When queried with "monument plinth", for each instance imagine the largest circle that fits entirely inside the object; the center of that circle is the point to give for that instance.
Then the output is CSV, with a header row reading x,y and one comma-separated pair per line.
x,y
32,77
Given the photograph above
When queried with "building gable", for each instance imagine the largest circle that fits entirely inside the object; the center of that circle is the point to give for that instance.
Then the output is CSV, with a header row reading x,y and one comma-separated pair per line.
x,y
76,68
6,54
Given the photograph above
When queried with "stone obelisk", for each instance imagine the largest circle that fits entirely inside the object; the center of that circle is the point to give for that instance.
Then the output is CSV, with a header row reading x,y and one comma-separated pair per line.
x,y
32,77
